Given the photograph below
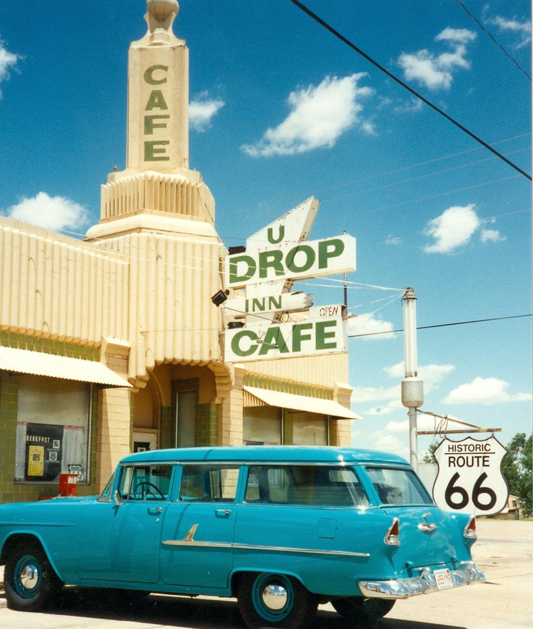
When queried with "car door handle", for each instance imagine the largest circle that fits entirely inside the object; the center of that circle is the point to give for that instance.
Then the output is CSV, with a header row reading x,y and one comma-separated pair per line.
x,y
427,528
154,510
222,513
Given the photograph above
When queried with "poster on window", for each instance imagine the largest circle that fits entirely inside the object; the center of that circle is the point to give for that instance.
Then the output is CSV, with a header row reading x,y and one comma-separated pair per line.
x,y
44,448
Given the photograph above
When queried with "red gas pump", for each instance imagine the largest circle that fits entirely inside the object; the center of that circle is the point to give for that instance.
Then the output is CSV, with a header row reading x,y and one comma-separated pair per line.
x,y
68,485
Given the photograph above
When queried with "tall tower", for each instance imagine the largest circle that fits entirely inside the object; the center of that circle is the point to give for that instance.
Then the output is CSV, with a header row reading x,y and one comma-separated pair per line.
x,y
157,180
159,216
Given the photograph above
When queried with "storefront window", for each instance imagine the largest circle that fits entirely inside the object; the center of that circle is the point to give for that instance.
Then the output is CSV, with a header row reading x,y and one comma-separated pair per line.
x,y
262,425
52,429
306,429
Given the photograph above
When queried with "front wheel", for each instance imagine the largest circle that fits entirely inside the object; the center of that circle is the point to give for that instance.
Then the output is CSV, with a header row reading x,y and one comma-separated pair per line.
x,y
30,581
362,613
275,600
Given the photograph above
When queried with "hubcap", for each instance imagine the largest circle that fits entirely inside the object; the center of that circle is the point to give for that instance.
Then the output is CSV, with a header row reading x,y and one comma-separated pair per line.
x,y
29,577
275,597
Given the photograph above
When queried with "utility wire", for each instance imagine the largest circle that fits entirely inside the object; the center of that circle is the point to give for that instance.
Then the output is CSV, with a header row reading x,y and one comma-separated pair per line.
x,y
407,87
487,32
443,325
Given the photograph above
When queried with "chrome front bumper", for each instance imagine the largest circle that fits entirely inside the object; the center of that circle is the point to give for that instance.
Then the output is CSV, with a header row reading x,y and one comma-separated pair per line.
x,y
466,574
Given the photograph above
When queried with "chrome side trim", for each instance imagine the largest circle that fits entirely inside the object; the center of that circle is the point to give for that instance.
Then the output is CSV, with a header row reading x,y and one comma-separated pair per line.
x,y
467,574
282,549
190,535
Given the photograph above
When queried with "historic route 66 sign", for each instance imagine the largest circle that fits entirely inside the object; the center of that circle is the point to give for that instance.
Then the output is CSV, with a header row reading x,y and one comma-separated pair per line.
x,y
470,479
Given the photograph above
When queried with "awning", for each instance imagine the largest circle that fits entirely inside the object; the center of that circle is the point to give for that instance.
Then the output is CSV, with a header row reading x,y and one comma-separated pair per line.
x,y
301,403
52,366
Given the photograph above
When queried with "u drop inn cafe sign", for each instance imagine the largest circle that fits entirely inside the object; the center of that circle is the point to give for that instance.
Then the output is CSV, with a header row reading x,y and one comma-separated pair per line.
x,y
470,478
275,257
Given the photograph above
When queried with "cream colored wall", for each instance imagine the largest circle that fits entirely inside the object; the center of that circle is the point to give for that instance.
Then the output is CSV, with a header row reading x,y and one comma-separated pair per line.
x,y
170,314
56,287
207,387
324,370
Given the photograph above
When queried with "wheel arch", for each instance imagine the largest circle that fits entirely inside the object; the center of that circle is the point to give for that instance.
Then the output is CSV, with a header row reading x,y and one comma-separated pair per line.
x,y
237,575
29,537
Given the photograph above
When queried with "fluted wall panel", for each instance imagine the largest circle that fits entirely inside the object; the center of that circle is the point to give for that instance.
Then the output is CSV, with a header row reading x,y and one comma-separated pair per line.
x,y
59,288
170,312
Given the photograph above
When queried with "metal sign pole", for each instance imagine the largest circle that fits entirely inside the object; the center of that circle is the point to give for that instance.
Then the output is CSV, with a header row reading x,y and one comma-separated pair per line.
x,y
412,386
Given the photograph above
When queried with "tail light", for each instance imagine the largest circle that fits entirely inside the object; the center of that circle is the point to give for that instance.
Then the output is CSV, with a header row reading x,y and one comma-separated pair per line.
x,y
393,534
470,529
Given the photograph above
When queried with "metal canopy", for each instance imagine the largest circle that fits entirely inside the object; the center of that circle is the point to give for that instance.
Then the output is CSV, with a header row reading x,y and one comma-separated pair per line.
x,y
52,366
301,403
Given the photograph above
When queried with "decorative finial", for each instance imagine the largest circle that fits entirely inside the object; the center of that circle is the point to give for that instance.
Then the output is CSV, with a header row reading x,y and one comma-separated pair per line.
x,y
162,9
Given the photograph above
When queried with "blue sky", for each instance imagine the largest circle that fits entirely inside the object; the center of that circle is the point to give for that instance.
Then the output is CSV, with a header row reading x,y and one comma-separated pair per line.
x,y
282,111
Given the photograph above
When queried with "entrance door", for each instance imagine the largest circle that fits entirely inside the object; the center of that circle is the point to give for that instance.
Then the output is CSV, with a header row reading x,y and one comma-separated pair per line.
x,y
198,530
185,419
121,542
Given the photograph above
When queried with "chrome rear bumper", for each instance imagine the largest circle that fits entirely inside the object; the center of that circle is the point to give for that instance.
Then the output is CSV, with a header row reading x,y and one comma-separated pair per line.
x,y
466,574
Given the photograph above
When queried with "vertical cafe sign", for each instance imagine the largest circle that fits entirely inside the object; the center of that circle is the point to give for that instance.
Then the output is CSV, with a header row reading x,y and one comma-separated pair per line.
x,y
279,255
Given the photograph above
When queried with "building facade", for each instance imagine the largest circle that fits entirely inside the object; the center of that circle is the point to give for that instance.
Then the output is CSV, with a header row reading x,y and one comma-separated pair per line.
x,y
113,344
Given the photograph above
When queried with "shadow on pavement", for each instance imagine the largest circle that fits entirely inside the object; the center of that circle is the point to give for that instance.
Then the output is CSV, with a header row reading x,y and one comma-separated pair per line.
x,y
187,612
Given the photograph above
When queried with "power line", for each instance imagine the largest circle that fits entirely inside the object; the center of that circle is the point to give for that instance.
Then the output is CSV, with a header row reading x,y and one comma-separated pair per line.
x,y
443,325
487,32
407,87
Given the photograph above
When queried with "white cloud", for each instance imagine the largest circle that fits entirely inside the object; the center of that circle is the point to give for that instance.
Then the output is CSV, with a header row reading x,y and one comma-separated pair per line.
x,y
456,35
392,240
492,235
389,443
53,213
202,110
484,391
436,71
8,62
410,106
368,324
319,115
372,394
423,422
432,375
452,229
522,28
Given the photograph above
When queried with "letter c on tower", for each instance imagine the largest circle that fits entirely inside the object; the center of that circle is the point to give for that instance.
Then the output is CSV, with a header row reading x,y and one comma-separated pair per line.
x,y
149,75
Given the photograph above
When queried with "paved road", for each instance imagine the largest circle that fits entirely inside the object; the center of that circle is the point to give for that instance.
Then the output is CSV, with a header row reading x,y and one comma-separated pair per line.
x,y
504,552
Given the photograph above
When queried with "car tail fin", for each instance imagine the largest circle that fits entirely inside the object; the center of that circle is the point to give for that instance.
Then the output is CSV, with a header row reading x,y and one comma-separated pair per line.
x,y
470,529
393,534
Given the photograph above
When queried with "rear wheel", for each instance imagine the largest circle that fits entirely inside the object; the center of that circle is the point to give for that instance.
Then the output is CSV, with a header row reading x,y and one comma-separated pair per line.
x,y
275,600
30,581
362,612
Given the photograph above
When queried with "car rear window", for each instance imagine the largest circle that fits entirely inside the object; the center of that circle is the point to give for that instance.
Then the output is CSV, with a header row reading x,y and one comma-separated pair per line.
x,y
305,485
396,486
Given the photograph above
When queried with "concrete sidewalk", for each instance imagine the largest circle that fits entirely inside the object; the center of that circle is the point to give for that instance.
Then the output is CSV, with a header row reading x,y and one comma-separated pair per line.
x,y
504,551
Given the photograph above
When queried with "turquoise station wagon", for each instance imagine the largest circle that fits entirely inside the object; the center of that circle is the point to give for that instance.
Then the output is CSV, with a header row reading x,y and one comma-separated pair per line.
x,y
281,528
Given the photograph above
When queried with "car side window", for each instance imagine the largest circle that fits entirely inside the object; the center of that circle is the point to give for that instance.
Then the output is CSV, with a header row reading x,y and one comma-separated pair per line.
x,y
305,485
208,483
145,482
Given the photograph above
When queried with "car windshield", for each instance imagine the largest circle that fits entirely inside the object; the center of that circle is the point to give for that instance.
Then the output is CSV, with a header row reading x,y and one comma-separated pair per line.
x,y
397,487
106,494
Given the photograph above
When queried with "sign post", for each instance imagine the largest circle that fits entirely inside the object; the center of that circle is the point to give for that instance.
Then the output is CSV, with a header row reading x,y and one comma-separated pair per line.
x,y
470,478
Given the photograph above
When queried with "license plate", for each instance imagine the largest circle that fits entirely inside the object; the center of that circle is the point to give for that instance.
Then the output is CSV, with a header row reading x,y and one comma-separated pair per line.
x,y
443,579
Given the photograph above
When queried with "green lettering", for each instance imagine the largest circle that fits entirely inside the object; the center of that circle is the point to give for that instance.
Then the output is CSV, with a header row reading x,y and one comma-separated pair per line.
x,y
270,259
149,75
149,125
281,234
156,101
329,249
154,154
322,335
273,340
250,272
308,263
298,335
274,303
258,305
235,343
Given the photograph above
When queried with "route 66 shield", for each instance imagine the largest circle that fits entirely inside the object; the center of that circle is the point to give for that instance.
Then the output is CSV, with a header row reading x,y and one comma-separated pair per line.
x,y
469,478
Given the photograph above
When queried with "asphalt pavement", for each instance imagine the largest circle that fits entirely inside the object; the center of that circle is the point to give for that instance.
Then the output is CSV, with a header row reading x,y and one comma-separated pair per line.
x,y
504,552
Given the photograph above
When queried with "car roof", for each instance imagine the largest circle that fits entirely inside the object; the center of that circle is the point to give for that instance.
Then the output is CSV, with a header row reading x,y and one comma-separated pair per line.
x,y
253,454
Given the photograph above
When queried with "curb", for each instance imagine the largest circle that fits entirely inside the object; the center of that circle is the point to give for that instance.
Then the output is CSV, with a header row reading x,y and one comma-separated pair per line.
x,y
3,603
